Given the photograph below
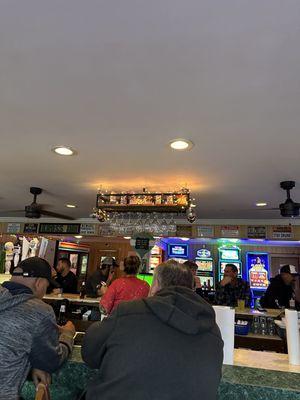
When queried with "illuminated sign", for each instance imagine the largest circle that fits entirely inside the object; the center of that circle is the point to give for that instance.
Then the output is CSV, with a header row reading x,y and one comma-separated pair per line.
x,y
258,270
203,253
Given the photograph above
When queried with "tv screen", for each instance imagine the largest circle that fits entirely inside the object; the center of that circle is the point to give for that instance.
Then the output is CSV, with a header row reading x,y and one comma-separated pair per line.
x,y
146,277
178,250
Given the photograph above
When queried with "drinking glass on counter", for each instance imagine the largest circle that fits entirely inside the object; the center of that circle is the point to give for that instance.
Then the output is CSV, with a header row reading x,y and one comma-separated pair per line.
x,y
241,304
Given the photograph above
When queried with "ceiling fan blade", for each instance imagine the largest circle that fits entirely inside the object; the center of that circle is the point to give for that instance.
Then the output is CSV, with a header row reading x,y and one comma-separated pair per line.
x,y
44,205
56,215
11,211
268,209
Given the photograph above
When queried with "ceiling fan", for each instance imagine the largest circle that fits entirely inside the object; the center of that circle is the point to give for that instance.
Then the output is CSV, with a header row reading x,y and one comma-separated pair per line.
x,y
35,210
289,208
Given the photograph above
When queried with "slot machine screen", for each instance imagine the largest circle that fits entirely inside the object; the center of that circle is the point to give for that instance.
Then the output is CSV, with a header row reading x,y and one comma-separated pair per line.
x,y
154,262
205,265
229,254
207,281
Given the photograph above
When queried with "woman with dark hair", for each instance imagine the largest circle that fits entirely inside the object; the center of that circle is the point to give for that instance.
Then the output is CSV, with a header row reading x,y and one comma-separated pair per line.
x,y
197,283
129,287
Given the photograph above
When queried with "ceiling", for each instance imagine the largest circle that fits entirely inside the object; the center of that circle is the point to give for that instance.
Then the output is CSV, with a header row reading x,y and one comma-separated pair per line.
x,y
117,80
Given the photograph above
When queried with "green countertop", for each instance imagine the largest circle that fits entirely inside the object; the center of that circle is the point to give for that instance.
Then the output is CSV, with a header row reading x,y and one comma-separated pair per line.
x,y
238,382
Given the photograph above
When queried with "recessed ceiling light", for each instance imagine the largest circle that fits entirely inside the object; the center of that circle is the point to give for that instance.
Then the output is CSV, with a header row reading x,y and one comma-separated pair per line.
x,y
262,204
181,144
185,239
64,150
71,205
127,237
78,236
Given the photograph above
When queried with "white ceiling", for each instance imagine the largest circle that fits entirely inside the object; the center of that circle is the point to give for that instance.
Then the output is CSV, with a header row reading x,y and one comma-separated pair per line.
x,y
118,79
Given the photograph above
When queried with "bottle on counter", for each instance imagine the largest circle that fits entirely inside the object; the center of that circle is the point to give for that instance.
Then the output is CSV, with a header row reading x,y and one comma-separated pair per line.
x,y
82,291
62,318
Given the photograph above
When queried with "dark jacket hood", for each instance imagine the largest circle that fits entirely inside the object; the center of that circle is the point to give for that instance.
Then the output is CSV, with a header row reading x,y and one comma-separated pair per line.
x,y
12,294
182,309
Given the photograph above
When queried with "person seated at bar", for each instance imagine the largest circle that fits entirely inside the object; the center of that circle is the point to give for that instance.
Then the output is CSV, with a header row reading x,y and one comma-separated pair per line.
x,y
66,279
97,283
231,288
129,287
166,346
197,283
29,336
280,292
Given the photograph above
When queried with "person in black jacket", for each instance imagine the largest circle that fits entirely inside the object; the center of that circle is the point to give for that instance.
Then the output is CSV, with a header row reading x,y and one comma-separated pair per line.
x,y
103,274
65,278
166,346
281,289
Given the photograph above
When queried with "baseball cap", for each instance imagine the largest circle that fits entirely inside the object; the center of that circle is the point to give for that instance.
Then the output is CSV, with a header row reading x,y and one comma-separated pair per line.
x,y
34,267
290,269
107,261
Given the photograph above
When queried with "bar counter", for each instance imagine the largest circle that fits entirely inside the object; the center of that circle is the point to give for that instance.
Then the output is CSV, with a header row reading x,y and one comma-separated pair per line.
x,y
254,376
72,298
250,341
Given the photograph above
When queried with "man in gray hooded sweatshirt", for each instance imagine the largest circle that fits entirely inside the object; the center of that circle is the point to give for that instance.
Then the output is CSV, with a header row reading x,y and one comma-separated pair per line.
x,y
29,336
167,346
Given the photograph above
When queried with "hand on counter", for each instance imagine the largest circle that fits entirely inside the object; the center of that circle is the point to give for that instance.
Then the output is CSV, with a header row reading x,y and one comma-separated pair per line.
x,y
101,289
68,329
39,376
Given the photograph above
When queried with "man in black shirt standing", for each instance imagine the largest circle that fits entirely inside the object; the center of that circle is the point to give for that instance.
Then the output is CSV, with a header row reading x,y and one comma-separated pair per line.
x,y
281,289
103,274
65,278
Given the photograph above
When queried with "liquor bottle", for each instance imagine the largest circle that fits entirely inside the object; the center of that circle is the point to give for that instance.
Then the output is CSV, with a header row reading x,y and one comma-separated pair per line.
x,y
208,285
123,200
170,200
62,319
113,198
158,199
82,290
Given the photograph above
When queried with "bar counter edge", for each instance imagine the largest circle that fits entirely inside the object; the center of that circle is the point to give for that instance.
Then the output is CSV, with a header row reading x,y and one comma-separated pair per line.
x,y
238,381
